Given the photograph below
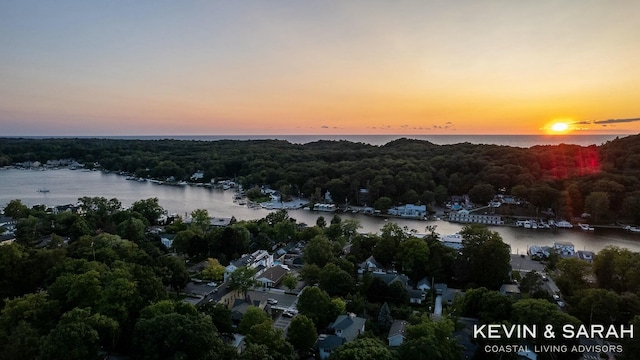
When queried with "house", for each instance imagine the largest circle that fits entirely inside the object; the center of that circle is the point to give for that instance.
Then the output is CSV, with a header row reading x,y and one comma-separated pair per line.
x,y
348,326
327,343
198,175
416,296
585,255
453,241
409,211
8,223
240,306
397,333
564,249
424,284
272,277
253,260
510,289
390,278
167,240
370,264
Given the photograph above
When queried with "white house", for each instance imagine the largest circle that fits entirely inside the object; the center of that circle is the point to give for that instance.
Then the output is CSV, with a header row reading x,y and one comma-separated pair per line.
x,y
453,241
397,333
409,210
259,259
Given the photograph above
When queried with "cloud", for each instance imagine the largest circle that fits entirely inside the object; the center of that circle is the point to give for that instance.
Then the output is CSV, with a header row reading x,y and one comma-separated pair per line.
x,y
324,127
608,121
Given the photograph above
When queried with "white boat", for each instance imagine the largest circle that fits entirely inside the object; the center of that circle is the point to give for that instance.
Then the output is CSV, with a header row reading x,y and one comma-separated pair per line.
x,y
564,224
632,229
586,227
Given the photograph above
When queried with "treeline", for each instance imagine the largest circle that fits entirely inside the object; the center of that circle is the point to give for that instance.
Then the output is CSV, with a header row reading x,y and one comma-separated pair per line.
x,y
569,179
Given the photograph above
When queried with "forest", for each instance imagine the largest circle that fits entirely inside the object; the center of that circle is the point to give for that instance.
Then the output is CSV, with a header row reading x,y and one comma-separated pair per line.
x,y
602,180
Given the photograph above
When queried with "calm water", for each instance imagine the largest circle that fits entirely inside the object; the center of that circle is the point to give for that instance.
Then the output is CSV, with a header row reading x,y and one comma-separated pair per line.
x,y
66,186
508,140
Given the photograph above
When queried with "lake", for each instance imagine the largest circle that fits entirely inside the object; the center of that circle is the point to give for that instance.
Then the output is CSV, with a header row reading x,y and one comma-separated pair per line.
x,y
66,186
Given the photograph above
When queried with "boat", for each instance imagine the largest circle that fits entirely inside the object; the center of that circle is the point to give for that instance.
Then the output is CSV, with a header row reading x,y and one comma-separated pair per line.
x,y
586,227
632,229
564,224
43,190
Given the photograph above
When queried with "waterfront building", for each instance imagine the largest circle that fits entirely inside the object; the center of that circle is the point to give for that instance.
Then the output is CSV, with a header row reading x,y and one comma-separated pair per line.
x,y
409,210
466,216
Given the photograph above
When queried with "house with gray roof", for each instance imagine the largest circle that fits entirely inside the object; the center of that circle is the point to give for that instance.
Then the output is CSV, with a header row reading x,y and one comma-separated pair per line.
x,y
397,333
346,328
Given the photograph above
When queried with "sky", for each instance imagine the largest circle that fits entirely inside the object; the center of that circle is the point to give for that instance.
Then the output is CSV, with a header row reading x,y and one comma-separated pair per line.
x,y
426,67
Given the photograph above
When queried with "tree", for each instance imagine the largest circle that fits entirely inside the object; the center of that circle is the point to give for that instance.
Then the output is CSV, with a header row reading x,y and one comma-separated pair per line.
x,y
481,194
253,316
200,220
242,279
335,281
318,251
384,317
572,275
220,316
16,209
362,349
316,305
531,282
430,337
176,336
597,204
302,333
484,256
273,339
174,272
132,229
150,209
290,281
413,256
213,270
383,204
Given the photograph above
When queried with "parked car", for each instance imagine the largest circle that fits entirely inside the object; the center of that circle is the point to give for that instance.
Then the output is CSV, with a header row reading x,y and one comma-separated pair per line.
x,y
560,303
212,284
272,301
288,314
556,297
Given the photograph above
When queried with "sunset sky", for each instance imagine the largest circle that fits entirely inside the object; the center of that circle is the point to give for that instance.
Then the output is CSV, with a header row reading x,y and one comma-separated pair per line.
x,y
118,67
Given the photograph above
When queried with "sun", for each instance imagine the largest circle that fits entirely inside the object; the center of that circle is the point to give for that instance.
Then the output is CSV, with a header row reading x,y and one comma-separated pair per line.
x,y
558,127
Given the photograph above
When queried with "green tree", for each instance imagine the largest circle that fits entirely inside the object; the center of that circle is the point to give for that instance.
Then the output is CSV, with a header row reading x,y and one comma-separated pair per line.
x,y
264,334
383,204
213,270
316,305
481,194
484,256
597,204
362,349
531,282
200,220
384,317
242,279
16,209
318,251
220,315
572,275
413,256
150,209
290,281
430,337
253,316
132,229
302,333
335,281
